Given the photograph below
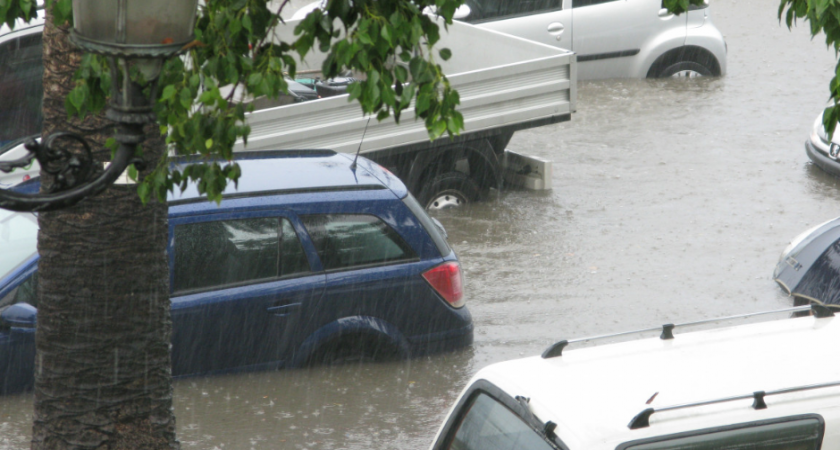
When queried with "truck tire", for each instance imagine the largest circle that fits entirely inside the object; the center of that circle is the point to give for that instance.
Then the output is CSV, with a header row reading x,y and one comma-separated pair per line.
x,y
449,190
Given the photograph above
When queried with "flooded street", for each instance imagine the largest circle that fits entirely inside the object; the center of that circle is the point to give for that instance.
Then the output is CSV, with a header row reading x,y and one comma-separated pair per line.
x,y
672,200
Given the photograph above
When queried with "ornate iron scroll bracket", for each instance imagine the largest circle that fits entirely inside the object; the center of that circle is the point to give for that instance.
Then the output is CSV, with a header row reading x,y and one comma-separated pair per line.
x,y
77,176
70,182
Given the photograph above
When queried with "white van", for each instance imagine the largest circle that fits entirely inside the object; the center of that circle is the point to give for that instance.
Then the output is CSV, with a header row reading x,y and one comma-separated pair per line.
x,y
761,386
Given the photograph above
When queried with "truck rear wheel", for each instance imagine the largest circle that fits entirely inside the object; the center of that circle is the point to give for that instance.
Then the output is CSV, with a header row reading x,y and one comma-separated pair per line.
x,y
449,190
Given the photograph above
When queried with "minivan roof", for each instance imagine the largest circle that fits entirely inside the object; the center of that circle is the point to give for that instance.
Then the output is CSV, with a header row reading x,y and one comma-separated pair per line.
x,y
296,171
593,393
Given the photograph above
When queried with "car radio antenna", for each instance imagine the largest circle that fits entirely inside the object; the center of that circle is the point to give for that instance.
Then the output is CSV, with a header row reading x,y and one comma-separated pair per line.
x,y
353,166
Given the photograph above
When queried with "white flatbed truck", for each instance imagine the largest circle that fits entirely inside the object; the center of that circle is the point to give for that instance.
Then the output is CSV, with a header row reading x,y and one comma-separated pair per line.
x,y
505,84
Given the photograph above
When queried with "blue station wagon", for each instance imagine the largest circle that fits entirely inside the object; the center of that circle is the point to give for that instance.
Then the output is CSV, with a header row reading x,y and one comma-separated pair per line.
x,y
312,259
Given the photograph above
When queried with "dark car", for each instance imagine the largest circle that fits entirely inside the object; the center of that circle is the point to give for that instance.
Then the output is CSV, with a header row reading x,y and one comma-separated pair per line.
x,y
310,260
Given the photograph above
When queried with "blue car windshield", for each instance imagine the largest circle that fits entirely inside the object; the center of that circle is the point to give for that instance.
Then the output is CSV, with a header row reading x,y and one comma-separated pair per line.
x,y
18,240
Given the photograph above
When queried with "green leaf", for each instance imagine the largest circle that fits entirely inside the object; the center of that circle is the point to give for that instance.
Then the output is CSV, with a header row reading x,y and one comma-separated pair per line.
x,y
386,33
208,143
78,96
168,92
401,73
445,54
186,98
438,129
132,172
423,102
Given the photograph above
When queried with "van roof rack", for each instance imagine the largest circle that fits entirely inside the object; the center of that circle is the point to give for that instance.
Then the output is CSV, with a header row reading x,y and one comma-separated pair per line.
x,y
642,420
667,330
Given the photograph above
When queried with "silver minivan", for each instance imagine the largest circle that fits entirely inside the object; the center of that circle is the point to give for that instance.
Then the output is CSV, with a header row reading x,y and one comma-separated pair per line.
x,y
613,38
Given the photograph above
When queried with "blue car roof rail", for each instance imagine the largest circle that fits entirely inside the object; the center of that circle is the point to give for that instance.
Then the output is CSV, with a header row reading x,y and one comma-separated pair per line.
x,y
251,194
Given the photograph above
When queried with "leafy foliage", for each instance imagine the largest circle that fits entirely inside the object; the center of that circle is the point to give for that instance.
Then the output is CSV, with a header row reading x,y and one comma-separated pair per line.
x,y
680,6
823,16
11,10
236,55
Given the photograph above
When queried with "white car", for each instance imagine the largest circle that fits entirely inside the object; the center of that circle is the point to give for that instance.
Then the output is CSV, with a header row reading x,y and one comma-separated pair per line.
x,y
770,385
825,154
613,38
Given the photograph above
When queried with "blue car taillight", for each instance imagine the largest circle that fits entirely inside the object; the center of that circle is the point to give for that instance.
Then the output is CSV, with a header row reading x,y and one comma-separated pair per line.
x,y
446,279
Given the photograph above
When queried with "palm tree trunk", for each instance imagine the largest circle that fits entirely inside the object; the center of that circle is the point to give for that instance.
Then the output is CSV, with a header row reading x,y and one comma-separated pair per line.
x,y
102,370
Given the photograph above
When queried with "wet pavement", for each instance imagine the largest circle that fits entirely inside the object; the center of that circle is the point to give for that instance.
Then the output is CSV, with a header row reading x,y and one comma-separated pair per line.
x,y
672,201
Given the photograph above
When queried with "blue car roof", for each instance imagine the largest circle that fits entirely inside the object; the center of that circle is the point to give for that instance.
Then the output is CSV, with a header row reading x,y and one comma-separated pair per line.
x,y
297,171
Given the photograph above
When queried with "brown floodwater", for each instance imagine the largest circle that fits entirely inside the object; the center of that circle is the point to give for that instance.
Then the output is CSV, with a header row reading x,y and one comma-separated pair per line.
x,y
672,200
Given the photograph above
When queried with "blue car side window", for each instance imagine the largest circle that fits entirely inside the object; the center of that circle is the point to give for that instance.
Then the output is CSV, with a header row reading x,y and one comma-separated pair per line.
x,y
352,240
228,252
235,252
26,292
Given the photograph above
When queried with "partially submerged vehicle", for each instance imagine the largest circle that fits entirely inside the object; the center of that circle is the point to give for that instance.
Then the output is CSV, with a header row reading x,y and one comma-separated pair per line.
x,y
520,84
809,267
823,152
314,259
613,38
759,386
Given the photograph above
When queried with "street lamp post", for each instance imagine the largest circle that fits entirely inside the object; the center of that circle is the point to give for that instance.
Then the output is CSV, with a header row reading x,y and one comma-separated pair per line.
x,y
136,36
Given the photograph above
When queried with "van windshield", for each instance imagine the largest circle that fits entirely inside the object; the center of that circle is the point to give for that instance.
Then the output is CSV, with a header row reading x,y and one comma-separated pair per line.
x,y
18,240
21,89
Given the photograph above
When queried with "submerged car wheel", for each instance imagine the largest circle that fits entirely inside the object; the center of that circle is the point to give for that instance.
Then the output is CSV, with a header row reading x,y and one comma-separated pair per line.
x,y
449,190
353,350
685,69
685,62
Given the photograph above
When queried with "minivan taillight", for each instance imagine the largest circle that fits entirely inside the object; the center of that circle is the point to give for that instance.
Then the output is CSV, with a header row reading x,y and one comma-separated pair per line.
x,y
446,279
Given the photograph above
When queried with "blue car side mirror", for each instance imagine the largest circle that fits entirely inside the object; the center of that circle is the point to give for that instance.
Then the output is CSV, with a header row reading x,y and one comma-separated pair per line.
x,y
20,315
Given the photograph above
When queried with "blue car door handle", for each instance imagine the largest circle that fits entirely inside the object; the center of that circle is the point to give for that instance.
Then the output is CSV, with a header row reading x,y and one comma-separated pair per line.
x,y
284,310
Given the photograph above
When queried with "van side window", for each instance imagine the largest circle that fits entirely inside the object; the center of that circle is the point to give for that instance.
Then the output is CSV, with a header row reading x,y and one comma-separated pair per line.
x,y
489,425
482,10
21,89
226,252
349,240
582,3
803,434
